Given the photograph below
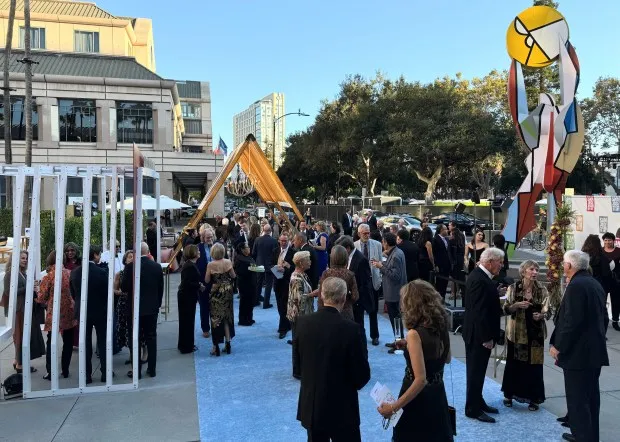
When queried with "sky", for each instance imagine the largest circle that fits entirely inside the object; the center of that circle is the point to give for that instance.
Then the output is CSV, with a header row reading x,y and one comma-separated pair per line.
x,y
306,48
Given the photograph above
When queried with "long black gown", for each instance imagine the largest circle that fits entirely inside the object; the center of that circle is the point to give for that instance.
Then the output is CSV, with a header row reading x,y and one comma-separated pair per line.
x,y
187,298
426,417
246,284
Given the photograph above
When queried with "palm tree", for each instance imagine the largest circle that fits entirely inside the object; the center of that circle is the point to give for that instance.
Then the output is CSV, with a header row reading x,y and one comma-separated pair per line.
x,y
28,75
8,153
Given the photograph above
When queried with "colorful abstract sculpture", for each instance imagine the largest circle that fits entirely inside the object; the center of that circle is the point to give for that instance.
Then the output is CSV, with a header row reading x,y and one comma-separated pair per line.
x,y
554,130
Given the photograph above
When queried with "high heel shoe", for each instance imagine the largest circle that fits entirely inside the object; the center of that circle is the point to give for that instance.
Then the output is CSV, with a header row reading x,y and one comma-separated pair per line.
x,y
215,351
227,347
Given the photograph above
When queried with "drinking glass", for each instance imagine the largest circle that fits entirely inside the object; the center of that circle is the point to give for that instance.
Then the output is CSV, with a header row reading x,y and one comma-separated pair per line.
x,y
398,333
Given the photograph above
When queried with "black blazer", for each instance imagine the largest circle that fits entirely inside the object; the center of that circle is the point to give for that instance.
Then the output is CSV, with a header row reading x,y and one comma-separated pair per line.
x,y
579,333
246,280
412,255
97,299
190,282
482,309
151,240
288,257
262,252
347,226
333,365
151,285
372,223
313,271
441,255
363,278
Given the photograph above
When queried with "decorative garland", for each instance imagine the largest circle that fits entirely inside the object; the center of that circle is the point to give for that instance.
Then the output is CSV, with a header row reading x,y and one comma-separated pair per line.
x,y
555,253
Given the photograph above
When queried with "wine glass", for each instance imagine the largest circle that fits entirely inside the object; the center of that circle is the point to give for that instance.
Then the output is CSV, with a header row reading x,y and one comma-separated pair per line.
x,y
398,333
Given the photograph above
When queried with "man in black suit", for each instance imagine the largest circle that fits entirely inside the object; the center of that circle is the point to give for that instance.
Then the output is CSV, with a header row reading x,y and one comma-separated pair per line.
x,y
283,257
360,266
578,345
263,255
151,238
411,252
481,329
300,242
347,223
303,228
334,366
151,294
96,308
443,265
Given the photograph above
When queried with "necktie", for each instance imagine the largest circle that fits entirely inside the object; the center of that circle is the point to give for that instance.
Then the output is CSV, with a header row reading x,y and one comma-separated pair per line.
x,y
366,251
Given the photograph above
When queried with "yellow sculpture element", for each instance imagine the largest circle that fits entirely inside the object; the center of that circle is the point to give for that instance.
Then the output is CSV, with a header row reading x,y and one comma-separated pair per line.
x,y
533,38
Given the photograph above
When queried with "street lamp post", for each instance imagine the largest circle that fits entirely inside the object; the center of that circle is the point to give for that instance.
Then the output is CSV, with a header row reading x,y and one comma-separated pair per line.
x,y
275,120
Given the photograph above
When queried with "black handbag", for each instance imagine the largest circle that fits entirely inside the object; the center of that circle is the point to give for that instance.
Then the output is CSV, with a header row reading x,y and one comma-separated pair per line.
x,y
13,384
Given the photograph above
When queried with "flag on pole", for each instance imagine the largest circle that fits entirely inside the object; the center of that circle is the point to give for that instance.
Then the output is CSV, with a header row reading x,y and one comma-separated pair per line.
x,y
221,148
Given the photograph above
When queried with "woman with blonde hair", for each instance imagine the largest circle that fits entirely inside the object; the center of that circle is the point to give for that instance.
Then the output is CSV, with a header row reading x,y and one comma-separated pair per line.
x,y
422,396
300,300
220,275
527,304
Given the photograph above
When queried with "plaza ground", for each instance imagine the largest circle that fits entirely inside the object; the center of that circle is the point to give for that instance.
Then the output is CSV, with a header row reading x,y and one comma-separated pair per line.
x,y
251,396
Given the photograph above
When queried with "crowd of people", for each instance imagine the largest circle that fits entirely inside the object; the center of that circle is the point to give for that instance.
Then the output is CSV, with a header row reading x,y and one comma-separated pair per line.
x,y
359,261
96,314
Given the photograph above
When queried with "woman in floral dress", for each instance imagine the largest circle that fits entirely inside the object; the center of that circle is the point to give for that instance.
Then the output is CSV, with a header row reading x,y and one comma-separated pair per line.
x,y
220,275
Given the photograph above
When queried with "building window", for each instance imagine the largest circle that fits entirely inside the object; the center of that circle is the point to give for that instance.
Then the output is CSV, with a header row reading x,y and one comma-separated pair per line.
x,y
86,41
77,120
193,126
193,149
134,122
190,110
18,119
37,38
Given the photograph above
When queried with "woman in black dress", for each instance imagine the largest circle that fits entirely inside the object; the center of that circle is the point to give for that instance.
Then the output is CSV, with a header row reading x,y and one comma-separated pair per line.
x,y
427,349
457,250
425,244
474,249
246,283
187,298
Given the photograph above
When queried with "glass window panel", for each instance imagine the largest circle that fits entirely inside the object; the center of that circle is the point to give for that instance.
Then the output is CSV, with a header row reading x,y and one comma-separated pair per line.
x,y
86,41
77,120
134,122
18,119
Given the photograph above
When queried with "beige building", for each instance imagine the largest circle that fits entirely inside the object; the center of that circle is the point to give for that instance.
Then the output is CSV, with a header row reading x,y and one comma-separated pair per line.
x,y
95,93
258,119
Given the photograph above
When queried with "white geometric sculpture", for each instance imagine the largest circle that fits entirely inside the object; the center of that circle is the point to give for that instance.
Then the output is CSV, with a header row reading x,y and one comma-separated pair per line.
x,y
60,174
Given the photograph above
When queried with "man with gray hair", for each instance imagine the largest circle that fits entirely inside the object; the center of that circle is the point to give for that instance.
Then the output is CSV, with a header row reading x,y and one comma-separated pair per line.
x,y
481,330
578,346
333,365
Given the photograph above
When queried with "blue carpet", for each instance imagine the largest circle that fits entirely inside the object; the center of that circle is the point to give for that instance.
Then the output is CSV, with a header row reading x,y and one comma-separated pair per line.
x,y
251,395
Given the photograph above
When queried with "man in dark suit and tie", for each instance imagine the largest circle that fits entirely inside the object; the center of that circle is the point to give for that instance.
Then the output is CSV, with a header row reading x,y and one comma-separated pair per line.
x,y
372,221
481,329
347,223
283,257
578,345
263,255
443,265
303,228
360,266
151,295
96,308
334,366
300,242
411,252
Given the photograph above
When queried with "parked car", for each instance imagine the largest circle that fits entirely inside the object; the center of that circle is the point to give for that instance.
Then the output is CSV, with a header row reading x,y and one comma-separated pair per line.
x,y
189,211
464,221
412,223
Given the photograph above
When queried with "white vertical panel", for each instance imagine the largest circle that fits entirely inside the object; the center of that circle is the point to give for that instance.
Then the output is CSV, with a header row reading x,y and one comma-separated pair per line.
x,y
35,217
86,215
18,204
104,218
122,212
61,194
158,216
137,196
111,270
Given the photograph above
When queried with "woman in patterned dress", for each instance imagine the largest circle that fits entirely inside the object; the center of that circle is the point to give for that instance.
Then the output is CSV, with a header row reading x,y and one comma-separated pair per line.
x,y
339,259
220,275
300,298
66,320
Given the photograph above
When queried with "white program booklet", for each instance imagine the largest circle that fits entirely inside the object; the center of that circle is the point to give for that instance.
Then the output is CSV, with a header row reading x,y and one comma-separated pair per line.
x,y
380,394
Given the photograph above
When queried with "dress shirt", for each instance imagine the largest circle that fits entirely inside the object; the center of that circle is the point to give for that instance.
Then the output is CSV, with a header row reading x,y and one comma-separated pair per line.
x,y
484,269
282,255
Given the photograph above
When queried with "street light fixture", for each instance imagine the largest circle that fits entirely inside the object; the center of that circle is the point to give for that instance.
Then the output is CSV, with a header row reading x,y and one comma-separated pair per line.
x,y
299,113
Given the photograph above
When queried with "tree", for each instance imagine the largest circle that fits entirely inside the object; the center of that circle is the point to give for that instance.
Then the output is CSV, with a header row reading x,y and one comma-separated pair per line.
x,y
602,114
8,152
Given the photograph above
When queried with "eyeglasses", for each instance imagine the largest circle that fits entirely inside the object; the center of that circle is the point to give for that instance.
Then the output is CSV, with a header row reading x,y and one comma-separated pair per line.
x,y
364,233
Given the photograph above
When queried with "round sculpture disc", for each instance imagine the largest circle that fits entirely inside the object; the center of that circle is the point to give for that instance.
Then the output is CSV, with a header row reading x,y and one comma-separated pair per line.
x,y
535,35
